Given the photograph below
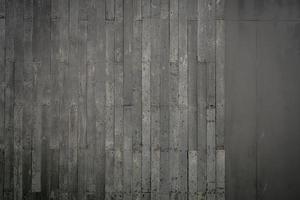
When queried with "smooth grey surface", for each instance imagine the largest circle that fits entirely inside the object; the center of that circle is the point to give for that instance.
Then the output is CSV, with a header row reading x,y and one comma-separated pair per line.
x,y
262,100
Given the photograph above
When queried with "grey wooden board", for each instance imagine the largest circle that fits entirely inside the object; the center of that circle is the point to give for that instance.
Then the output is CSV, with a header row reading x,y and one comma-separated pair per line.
x,y
107,99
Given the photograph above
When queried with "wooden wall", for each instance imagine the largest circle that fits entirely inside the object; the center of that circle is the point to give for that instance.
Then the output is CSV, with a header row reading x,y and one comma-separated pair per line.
x,y
115,99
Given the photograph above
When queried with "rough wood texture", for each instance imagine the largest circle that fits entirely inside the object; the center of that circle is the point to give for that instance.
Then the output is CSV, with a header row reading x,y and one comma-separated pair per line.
x,y
111,99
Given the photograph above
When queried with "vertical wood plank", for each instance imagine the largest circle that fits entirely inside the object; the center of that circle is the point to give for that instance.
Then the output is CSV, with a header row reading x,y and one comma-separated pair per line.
x,y
118,96
81,38
220,9
155,106
211,126
128,42
9,101
137,110
92,64
220,174
206,55
109,9
99,163
192,7
206,30
155,8
202,129
57,84
146,9
220,81
220,100
18,100
137,9
174,101
2,97
65,63
192,175
128,100
109,109
36,137
44,48
183,97
164,108
192,113
192,84
164,9
146,77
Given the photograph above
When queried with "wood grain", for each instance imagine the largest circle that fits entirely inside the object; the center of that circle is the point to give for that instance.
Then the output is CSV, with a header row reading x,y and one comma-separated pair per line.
x,y
112,99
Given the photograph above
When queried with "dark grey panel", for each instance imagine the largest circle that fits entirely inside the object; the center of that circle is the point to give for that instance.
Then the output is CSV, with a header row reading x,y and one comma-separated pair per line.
x,y
278,110
240,120
262,10
262,100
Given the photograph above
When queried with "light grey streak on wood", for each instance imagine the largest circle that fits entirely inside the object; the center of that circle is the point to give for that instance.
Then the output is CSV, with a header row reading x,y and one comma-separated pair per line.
x,y
206,30
146,105
109,109
183,97
109,9
220,82
192,85
164,111
155,108
118,99
174,31
211,131
137,110
220,9
164,9
202,129
146,9
220,174
137,9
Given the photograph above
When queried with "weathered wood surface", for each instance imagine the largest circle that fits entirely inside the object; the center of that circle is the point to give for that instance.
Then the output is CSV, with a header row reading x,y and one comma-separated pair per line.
x,y
111,99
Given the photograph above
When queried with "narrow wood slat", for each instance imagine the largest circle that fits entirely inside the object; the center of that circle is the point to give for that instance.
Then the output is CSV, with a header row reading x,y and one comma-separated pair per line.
x,y
220,174
173,101
220,82
8,185
164,110
192,85
18,101
202,129
99,163
109,109
211,130
118,96
137,110
44,84
2,97
128,90
183,96
220,109
80,11
206,30
146,101
109,9
155,108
